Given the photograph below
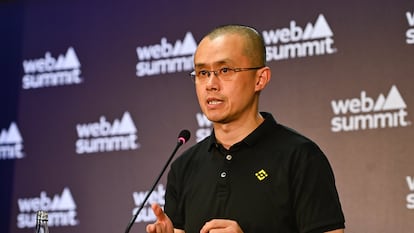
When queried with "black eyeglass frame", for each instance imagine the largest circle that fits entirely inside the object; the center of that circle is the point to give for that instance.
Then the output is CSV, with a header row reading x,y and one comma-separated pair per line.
x,y
217,73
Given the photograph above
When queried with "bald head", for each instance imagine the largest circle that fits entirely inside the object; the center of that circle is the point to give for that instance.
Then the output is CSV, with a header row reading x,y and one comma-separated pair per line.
x,y
254,47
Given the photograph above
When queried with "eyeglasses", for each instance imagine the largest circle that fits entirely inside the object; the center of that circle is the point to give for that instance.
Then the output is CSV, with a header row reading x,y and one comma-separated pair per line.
x,y
223,74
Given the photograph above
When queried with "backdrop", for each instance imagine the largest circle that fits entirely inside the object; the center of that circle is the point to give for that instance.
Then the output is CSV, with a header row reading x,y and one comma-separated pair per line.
x,y
94,94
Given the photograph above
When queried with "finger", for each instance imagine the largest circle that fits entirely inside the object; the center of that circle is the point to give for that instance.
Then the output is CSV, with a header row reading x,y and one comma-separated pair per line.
x,y
150,228
159,213
155,228
208,226
217,223
220,224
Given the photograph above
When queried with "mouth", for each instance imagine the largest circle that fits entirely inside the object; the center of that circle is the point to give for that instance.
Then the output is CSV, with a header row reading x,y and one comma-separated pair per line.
x,y
214,101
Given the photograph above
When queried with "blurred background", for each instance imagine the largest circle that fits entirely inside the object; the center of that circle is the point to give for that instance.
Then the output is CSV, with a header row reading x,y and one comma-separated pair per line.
x,y
94,93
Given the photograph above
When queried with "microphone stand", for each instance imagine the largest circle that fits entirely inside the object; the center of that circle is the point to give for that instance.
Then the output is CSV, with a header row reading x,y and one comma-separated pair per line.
x,y
180,142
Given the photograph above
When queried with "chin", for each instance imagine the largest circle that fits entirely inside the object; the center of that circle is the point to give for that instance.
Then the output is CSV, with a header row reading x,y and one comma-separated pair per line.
x,y
212,117
218,119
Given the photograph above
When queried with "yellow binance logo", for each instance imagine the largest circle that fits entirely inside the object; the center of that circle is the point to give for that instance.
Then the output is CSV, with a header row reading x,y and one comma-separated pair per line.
x,y
261,175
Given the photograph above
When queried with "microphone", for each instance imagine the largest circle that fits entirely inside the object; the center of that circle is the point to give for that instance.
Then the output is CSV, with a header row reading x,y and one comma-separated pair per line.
x,y
182,139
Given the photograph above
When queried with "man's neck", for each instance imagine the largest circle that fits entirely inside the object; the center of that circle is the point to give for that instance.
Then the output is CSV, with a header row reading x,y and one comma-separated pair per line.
x,y
231,133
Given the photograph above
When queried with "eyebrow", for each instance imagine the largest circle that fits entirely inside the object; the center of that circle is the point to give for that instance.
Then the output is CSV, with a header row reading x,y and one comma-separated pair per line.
x,y
221,62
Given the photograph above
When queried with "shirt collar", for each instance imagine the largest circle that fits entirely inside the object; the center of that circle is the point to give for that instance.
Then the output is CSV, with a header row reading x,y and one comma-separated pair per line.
x,y
254,136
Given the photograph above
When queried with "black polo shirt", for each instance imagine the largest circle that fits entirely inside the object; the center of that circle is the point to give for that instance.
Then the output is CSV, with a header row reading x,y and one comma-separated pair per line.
x,y
275,180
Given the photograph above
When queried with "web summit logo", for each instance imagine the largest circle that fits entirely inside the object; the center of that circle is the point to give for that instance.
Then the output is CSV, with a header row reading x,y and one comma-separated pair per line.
x,y
102,136
410,196
296,42
364,113
61,210
165,57
410,32
204,127
50,71
11,143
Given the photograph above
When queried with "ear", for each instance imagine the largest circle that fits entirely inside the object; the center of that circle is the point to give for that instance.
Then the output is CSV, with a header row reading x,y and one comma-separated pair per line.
x,y
263,78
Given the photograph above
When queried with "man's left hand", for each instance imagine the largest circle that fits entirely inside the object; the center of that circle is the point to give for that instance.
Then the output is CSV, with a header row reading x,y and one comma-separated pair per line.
x,y
221,226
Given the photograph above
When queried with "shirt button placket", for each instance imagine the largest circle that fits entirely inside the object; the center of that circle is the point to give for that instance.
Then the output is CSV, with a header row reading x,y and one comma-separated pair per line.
x,y
228,158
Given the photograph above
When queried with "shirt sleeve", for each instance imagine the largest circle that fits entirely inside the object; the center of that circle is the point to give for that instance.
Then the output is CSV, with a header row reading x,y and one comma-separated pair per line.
x,y
315,198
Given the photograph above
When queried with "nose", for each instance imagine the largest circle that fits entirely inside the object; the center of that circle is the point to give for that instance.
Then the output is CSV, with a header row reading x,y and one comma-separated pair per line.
x,y
212,81
215,72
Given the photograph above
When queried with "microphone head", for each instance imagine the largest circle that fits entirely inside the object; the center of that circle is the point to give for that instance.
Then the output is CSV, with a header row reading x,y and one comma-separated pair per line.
x,y
184,136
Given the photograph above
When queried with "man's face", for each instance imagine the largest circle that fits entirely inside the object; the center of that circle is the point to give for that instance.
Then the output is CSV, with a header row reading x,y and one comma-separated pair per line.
x,y
224,101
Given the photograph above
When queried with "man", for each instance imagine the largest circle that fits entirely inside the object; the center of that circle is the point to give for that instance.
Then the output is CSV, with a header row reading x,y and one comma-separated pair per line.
x,y
252,174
